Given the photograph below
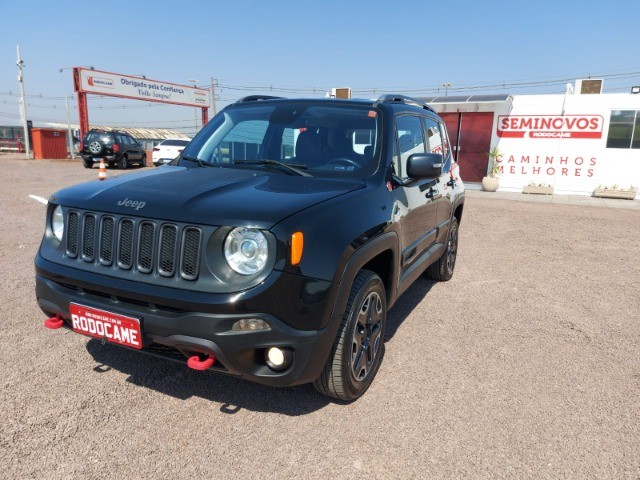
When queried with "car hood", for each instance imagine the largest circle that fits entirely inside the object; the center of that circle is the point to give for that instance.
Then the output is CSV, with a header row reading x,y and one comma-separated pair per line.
x,y
204,195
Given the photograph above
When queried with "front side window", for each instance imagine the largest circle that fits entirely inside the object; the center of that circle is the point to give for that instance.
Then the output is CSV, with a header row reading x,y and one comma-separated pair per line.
x,y
320,139
410,139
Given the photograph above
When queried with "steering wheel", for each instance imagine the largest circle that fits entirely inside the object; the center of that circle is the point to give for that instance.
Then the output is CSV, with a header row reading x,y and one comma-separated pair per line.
x,y
343,161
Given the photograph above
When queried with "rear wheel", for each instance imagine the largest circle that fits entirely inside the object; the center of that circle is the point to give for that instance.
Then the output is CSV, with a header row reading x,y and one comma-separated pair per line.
x,y
357,351
123,163
442,270
87,163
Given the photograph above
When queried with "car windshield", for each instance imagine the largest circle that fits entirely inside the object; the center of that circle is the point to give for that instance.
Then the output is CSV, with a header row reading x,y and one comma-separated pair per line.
x,y
332,140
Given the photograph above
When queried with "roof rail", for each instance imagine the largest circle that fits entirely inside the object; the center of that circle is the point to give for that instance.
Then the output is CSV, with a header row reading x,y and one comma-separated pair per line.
x,y
257,98
394,98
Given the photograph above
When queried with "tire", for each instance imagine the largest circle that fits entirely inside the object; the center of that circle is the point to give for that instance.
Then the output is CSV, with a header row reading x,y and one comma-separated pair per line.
x,y
87,163
123,163
95,148
143,162
359,345
442,269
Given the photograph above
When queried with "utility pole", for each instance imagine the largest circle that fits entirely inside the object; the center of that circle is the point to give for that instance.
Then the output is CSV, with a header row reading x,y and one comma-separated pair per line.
x,y
213,95
196,108
66,105
446,86
23,105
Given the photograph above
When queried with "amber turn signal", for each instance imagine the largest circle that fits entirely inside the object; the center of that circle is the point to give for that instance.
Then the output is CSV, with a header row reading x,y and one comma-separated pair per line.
x,y
297,244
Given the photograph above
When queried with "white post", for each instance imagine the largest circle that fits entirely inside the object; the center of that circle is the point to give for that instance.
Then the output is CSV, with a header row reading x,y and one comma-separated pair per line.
x,y
23,106
66,104
213,95
195,110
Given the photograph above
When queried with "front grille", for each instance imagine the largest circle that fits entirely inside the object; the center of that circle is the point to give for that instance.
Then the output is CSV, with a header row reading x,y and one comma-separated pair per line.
x,y
167,257
143,246
88,237
106,240
125,244
191,249
72,234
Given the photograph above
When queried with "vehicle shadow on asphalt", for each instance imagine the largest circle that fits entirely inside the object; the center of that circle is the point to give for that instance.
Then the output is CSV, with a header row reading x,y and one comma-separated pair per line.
x,y
231,393
177,380
405,305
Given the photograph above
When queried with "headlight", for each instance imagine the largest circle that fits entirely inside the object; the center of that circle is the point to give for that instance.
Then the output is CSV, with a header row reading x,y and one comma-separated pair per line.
x,y
57,222
246,251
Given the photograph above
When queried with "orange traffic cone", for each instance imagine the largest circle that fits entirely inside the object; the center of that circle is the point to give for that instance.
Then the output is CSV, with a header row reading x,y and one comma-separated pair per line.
x,y
102,173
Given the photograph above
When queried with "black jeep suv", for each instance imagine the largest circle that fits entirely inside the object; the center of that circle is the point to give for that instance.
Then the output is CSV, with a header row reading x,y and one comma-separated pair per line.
x,y
117,148
270,249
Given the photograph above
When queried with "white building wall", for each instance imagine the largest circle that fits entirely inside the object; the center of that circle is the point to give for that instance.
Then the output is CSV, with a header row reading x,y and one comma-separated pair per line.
x,y
561,140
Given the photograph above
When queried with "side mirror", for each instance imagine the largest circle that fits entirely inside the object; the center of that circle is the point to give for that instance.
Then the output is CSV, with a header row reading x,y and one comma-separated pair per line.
x,y
425,165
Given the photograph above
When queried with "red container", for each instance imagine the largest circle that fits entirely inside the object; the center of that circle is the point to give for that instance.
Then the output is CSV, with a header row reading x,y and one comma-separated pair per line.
x,y
49,143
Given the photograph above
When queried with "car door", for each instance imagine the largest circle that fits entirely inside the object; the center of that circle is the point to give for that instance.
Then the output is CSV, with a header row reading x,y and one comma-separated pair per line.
x,y
135,148
442,189
414,208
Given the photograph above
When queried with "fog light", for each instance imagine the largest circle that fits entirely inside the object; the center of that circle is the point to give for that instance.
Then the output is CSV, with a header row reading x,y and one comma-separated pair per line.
x,y
250,324
278,358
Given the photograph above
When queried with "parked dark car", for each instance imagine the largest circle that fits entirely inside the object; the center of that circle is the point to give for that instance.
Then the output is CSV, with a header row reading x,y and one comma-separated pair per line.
x,y
116,148
270,249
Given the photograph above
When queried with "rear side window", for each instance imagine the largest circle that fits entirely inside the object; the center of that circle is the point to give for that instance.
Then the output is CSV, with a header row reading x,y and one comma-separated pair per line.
x,y
436,138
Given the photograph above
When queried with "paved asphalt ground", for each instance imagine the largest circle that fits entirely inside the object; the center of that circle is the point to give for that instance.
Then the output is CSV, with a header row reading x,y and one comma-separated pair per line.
x,y
525,365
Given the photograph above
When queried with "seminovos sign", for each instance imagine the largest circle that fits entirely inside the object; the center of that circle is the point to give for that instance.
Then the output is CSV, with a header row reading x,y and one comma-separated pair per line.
x,y
550,126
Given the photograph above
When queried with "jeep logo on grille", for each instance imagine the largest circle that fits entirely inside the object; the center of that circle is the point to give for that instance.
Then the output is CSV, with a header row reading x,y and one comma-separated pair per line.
x,y
127,202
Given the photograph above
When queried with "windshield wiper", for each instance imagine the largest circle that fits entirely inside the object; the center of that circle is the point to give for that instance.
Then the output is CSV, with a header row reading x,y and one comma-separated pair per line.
x,y
292,167
199,161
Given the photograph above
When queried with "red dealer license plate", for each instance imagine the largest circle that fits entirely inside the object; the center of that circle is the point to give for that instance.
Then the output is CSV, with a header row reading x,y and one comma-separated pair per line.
x,y
105,325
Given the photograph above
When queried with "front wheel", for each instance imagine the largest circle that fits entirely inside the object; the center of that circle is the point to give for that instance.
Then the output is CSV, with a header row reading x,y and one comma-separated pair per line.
x,y
442,269
357,351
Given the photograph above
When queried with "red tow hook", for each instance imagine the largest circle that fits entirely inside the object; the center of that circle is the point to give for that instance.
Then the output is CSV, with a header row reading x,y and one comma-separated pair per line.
x,y
195,363
53,323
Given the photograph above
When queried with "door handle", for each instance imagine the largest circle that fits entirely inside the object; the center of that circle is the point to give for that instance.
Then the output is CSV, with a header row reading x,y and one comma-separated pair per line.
x,y
433,193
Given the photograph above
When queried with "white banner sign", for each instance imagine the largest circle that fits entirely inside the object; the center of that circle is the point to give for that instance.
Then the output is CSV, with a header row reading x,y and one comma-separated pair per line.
x,y
126,86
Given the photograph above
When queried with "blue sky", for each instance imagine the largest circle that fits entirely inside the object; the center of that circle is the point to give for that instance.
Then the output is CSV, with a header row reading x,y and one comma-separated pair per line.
x,y
408,46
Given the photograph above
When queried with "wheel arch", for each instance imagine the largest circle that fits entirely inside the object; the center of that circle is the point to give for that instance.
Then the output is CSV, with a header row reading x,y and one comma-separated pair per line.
x,y
457,212
380,256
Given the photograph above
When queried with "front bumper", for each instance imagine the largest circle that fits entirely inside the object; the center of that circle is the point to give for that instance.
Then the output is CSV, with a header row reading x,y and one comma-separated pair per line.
x,y
177,333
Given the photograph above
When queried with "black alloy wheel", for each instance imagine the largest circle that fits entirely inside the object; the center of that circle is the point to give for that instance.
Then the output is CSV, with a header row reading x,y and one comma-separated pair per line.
x,y
442,269
359,345
367,337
